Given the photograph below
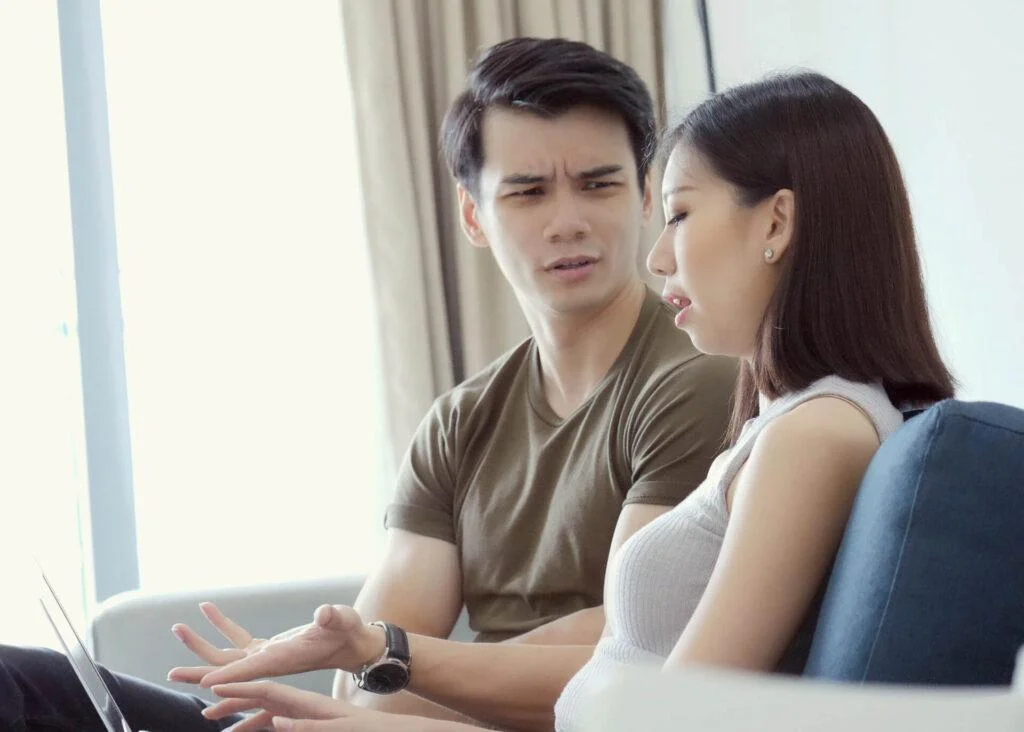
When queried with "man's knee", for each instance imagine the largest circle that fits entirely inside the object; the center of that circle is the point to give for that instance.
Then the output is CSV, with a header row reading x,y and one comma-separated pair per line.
x,y
34,663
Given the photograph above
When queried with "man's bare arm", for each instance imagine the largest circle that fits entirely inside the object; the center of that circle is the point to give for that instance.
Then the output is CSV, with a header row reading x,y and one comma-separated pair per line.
x,y
581,628
417,586
508,685
516,688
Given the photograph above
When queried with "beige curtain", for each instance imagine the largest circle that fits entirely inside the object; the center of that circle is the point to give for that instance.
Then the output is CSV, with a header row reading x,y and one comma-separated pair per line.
x,y
444,308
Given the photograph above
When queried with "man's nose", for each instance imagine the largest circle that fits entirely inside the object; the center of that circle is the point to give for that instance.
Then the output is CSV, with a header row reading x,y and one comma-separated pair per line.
x,y
568,221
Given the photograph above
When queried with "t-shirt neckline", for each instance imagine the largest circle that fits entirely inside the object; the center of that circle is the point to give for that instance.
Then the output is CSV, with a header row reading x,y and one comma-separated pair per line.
x,y
539,402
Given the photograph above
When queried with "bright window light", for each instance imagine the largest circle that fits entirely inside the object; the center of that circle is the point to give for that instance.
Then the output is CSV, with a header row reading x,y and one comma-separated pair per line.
x,y
251,354
42,459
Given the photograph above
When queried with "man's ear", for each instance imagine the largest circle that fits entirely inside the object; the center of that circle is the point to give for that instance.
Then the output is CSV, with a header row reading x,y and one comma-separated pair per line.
x,y
781,222
469,218
648,196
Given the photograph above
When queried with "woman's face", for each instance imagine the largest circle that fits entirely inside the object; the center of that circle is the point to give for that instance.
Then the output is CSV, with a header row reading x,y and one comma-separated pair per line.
x,y
720,258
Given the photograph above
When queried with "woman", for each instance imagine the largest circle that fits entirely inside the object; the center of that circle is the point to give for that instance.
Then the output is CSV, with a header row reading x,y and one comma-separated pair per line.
x,y
788,244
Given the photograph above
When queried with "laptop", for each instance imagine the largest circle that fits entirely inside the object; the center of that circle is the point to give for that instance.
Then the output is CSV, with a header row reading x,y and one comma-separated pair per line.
x,y
96,688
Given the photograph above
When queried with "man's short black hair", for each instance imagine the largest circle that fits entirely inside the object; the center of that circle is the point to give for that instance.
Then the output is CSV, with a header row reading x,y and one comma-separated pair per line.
x,y
545,76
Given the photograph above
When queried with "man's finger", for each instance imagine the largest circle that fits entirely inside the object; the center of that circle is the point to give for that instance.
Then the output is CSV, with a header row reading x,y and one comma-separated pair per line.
x,y
239,636
286,724
336,617
233,705
256,666
190,674
203,648
256,723
283,699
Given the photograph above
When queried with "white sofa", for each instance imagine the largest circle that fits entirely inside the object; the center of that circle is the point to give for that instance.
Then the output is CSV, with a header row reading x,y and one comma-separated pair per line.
x,y
714,700
131,633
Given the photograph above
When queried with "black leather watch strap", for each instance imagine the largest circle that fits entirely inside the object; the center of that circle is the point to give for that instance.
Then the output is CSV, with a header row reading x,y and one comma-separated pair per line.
x,y
397,641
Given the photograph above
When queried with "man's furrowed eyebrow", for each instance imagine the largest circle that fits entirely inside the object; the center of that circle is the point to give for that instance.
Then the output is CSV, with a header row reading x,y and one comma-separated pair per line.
x,y
599,172
530,179
524,179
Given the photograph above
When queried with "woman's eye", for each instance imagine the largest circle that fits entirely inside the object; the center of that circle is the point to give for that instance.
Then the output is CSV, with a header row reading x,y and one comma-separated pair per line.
x,y
677,219
528,192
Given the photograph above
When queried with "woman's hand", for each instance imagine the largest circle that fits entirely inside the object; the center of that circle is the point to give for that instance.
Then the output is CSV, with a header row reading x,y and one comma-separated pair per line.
x,y
336,639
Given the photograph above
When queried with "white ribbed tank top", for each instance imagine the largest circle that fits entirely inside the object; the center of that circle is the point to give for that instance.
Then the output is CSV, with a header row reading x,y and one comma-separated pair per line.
x,y
658,576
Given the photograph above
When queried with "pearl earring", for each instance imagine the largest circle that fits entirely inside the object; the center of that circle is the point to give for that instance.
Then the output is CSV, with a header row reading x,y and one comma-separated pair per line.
x,y
769,253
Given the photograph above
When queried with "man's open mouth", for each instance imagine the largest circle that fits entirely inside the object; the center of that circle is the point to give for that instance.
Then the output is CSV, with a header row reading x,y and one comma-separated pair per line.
x,y
573,263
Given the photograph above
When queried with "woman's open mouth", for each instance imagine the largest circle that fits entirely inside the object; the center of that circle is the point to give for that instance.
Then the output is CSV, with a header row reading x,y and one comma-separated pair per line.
x,y
682,304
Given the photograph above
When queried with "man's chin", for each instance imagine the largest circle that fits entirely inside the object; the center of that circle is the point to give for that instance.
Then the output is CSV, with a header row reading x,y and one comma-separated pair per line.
x,y
578,302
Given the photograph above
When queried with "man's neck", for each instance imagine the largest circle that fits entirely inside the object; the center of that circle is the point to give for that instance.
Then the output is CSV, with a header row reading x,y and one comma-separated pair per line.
x,y
577,351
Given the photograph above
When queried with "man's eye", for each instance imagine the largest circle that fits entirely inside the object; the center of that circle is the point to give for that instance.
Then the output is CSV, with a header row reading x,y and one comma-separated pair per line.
x,y
677,219
535,191
595,185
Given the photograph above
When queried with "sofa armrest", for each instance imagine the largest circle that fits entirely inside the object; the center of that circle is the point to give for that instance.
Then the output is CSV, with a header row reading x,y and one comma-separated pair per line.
x,y
719,700
131,633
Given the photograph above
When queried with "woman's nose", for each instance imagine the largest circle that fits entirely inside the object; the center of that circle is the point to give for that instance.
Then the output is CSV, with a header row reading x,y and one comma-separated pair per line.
x,y
660,261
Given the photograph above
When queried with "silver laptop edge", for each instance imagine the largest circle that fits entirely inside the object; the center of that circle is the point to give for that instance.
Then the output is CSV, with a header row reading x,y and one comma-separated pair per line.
x,y
82,663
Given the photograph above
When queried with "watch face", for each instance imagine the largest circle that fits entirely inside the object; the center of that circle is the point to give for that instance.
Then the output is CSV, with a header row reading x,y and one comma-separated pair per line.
x,y
387,678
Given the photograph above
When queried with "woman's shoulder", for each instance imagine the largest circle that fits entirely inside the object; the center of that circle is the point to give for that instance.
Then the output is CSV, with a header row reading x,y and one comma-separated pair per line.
x,y
824,441
825,421
868,398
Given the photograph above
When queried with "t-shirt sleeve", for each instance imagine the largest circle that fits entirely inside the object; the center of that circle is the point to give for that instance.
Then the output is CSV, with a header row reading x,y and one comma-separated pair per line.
x,y
425,491
681,428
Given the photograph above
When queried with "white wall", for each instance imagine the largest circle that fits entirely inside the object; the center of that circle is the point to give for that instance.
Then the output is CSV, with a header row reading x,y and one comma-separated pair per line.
x,y
946,79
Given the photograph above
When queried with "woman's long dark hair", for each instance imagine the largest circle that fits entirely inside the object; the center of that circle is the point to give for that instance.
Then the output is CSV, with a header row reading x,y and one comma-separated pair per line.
x,y
850,299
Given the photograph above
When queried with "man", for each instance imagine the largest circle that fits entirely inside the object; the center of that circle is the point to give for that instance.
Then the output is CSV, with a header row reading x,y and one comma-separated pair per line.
x,y
522,481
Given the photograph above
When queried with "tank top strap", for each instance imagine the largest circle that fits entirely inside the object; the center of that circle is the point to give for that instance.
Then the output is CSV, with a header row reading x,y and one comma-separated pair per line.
x,y
871,399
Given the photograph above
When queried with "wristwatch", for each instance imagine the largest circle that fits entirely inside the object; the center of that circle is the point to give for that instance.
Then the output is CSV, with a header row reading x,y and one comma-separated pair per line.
x,y
389,673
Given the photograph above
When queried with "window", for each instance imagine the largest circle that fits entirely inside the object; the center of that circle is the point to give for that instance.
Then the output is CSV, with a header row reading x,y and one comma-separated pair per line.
x,y
42,459
250,348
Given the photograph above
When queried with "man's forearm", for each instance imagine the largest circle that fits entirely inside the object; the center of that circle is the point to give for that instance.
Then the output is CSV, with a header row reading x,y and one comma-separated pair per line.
x,y
581,628
497,684
508,685
404,702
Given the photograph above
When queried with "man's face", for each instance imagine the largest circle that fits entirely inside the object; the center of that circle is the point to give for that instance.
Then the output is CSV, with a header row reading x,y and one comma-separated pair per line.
x,y
560,207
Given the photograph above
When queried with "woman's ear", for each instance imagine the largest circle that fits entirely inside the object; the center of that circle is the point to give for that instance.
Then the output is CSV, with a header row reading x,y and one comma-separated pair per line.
x,y
781,224
469,218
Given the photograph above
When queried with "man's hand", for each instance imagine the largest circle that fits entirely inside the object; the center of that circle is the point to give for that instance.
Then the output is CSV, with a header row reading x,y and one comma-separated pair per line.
x,y
282,705
337,638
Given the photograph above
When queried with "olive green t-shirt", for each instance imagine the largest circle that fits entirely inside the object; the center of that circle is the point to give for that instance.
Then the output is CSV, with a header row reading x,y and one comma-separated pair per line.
x,y
531,500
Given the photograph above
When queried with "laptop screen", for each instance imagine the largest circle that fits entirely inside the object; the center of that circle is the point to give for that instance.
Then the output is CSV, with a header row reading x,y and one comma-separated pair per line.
x,y
80,659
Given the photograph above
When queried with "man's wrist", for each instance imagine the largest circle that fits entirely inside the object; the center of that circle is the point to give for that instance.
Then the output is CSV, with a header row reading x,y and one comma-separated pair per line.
x,y
375,646
388,671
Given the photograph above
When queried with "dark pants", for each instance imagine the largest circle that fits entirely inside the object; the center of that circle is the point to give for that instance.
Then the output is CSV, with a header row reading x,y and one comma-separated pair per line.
x,y
39,691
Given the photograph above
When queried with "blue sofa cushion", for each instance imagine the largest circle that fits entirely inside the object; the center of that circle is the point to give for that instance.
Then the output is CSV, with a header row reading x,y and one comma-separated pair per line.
x,y
928,585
